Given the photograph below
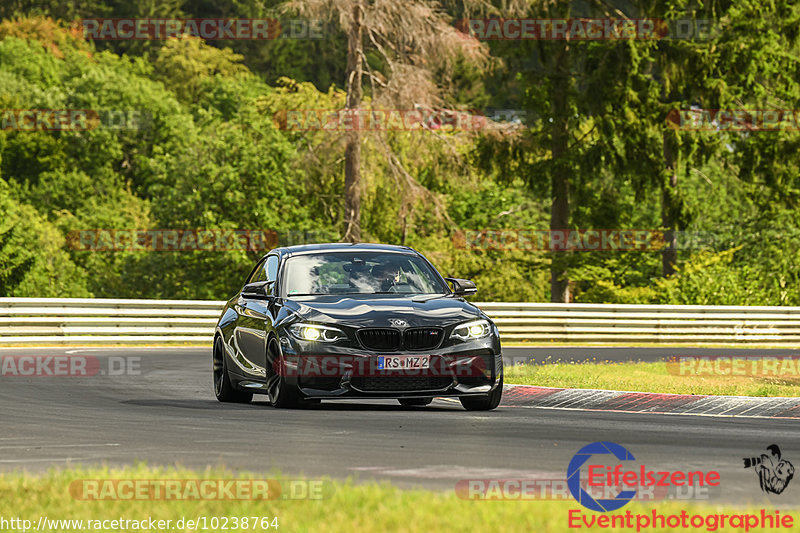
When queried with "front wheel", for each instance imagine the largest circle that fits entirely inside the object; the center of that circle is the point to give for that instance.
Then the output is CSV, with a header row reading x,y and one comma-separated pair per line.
x,y
414,402
223,388
487,402
280,393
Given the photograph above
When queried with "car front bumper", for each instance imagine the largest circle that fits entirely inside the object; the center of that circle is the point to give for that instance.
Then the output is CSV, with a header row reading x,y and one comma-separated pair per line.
x,y
330,371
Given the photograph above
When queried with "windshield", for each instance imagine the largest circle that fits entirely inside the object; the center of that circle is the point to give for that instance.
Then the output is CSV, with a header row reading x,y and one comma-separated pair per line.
x,y
360,273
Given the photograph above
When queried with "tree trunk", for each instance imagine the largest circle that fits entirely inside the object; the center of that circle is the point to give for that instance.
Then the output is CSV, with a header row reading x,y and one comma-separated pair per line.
x,y
352,154
559,210
669,211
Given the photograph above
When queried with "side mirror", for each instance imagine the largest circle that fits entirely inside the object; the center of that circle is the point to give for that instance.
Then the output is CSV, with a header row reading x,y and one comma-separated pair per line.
x,y
260,290
462,287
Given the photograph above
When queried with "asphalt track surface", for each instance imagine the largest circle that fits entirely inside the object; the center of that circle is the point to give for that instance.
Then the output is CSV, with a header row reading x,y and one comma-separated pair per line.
x,y
164,412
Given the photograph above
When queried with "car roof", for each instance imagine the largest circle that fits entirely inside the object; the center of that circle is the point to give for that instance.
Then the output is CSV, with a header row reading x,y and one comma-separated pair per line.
x,y
342,247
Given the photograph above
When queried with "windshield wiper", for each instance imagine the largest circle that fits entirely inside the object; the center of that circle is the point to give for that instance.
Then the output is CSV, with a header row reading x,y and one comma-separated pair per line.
x,y
324,294
390,292
428,297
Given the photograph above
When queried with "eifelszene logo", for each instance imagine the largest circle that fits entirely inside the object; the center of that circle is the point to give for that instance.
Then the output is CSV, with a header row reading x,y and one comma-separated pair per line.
x,y
774,473
574,476
607,480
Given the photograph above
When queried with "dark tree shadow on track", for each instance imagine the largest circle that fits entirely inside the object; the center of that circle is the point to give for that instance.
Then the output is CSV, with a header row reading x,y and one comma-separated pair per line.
x,y
339,405
355,405
186,404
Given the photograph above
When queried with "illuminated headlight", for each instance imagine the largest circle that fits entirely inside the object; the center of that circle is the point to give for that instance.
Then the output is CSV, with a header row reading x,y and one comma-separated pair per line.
x,y
314,332
472,330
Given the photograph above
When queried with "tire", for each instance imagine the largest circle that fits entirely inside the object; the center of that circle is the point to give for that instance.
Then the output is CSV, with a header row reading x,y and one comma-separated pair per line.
x,y
281,394
486,402
414,402
223,388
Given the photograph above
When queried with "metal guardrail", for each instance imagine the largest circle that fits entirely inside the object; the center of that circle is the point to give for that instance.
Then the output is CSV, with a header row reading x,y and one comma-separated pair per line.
x,y
660,324
104,321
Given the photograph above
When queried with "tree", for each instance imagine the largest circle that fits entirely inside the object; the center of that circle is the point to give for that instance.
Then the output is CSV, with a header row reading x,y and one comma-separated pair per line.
x,y
352,153
578,98
406,42
737,56
33,261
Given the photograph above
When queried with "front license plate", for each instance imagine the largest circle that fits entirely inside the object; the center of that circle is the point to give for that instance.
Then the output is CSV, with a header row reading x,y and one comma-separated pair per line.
x,y
404,362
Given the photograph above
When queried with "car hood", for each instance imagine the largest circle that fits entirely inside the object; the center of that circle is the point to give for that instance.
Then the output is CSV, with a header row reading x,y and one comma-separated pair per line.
x,y
376,312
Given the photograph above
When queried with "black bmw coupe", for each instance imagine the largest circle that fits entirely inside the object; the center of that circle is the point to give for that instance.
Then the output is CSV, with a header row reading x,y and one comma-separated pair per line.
x,y
342,321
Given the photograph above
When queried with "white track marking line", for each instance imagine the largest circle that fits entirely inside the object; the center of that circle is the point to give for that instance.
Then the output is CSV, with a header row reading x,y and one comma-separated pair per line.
x,y
49,460
38,446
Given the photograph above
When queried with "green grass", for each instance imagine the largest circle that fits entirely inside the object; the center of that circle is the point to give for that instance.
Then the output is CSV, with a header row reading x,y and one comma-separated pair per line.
x,y
647,377
348,507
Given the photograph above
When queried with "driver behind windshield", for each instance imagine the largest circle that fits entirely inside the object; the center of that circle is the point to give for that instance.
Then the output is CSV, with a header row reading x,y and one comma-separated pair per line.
x,y
388,275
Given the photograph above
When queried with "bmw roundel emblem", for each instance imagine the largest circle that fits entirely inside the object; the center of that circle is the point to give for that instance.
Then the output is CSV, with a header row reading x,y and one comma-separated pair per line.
x,y
398,322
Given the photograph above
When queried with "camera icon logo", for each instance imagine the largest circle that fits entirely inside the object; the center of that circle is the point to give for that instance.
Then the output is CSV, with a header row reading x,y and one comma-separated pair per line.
x,y
774,473
574,477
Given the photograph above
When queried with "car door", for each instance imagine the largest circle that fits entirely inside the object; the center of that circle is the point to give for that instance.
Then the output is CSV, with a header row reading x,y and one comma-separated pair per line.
x,y
254,322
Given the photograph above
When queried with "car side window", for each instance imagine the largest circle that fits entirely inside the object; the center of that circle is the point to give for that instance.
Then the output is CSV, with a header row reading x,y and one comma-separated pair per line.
x,y
258,274
271,268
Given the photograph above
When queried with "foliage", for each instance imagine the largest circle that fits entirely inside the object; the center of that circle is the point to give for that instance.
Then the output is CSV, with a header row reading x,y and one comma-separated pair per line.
x,y
208,147
32,255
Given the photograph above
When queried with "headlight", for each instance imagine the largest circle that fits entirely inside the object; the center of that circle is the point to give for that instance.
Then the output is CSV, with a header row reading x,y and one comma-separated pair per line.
x,y
314,332
472,330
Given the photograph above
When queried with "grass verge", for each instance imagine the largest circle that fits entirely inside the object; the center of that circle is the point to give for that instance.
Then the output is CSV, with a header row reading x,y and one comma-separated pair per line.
x,y
648,377
346,507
